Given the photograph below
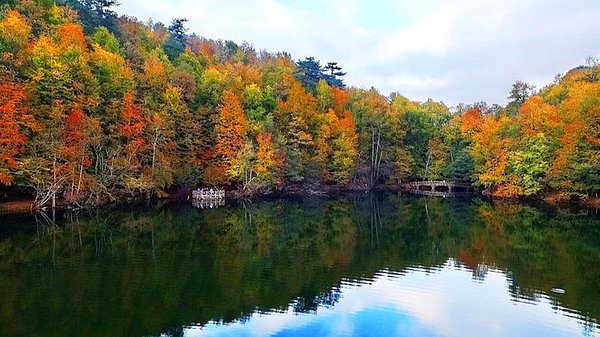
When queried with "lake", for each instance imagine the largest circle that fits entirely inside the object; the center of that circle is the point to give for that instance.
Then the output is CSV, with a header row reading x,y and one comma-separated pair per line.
x,y
358,265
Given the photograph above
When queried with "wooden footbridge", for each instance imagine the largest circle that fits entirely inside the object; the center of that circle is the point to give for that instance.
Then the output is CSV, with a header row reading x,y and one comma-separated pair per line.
x,y
208,198
208,194
440,188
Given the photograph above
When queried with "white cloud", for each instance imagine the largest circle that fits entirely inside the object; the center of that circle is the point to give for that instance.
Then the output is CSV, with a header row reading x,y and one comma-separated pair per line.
x,y
455,51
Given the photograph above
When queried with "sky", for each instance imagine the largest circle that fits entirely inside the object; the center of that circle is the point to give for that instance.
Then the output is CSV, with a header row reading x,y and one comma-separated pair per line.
x,y
455,51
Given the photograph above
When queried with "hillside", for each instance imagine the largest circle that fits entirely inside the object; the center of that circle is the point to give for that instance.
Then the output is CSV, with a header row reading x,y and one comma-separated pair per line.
x,y
96,106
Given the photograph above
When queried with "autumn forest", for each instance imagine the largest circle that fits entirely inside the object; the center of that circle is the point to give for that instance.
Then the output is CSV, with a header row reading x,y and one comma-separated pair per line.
x,y
95,106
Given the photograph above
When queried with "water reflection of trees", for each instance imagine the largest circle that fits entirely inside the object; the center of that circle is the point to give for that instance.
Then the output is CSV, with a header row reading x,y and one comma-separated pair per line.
x,y
152,270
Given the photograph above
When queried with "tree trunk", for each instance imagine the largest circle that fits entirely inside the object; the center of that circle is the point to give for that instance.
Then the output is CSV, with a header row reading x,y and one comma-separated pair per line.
x,y
154,146
427,163
80,176
73,181
379,154
371,182
54,181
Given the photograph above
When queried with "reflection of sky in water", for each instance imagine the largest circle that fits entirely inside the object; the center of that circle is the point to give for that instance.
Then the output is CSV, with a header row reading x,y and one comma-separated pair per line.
x,y
445,302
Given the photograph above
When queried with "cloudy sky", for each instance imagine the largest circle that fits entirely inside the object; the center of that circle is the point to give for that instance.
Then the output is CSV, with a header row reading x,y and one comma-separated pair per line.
x,y
449,50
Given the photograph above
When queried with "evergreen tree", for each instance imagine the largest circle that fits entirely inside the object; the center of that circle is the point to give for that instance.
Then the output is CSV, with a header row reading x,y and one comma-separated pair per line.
x,y
334,72
175,44
96,13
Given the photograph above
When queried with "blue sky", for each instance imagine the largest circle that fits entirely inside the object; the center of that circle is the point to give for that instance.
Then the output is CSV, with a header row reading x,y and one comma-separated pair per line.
x,y
454,50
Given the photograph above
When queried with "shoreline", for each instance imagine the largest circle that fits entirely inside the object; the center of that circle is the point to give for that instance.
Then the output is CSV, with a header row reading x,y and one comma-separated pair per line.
x,y
28,205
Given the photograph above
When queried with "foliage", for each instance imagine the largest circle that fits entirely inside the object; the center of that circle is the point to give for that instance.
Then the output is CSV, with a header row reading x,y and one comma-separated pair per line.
x,y
309,71
230,131
14,121
105,39
94,105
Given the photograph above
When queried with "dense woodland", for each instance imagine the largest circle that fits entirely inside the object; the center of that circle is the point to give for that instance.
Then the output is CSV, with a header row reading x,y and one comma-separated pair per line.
x,y
96,106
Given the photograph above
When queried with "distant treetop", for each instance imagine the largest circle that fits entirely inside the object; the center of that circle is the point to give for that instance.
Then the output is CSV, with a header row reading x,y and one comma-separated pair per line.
x,y
310,72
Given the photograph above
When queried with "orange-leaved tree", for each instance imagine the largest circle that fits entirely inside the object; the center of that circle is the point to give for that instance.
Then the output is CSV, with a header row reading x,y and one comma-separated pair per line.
x,y
75,151
471,121
14,120
132,129
71,35
575,169
14,36
490,150
537,116
345,149
296,121
269,161
230,132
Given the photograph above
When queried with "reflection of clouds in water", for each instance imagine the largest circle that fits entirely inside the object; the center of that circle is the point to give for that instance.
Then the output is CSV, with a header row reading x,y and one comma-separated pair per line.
x,y
261,325
444,302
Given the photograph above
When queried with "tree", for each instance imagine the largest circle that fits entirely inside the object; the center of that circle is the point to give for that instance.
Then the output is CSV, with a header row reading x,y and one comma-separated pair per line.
x,y
96,13
187,76
380,132
14,122
52,163
132,130
420,129
160,134
260,169
437,157
113,75
309,72
458,136
185,137
323,142
105,39
243,167
103,7
471,121
536,116
334,72
211,87
592,64
336,150
74,152
259,105
14,33
152,80
576,162
296,123
49,75
344,149
71,35
490,150
92,104
230,131
324,96
519,92
176,42
269,162
529,166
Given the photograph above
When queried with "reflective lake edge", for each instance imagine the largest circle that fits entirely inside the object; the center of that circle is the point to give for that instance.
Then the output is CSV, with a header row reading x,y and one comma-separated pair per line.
x,y
265,245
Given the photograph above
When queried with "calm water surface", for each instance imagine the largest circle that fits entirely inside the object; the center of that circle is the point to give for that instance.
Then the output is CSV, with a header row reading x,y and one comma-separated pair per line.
x,y
368,265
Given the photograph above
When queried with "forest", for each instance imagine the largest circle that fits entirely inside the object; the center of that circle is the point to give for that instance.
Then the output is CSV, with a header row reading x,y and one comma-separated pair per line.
x,y
95,106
